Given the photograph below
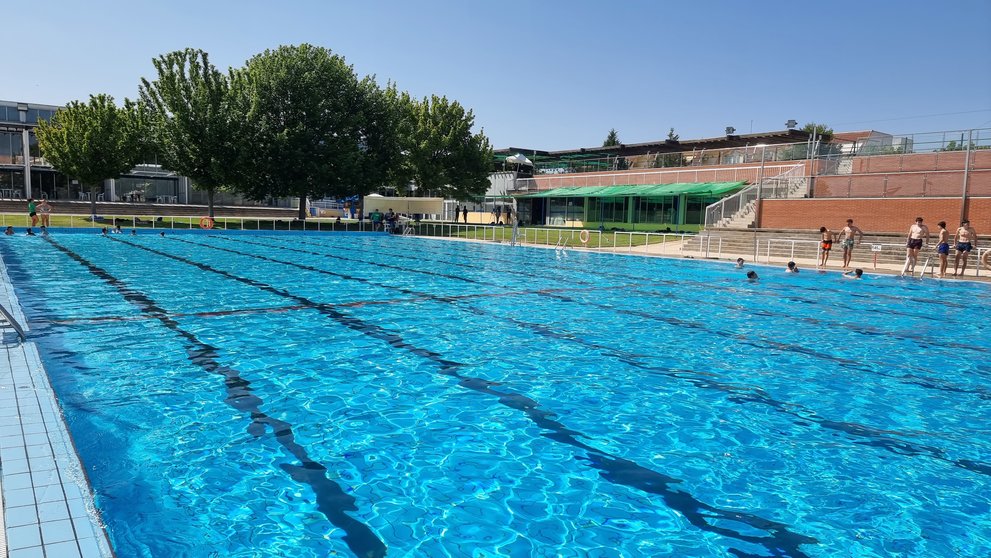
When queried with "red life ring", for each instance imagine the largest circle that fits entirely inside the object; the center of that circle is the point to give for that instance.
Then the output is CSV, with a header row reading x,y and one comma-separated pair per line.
x,y
583,236
206,223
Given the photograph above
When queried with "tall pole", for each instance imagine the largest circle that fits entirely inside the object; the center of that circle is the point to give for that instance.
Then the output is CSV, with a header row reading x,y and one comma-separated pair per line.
x,y
966,177
760,183
26,149
760,186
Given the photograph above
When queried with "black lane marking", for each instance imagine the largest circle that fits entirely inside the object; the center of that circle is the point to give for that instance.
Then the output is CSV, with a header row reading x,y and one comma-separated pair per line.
x,y
681,284
332,501
920,381
942,302
336,257
780,540
876,437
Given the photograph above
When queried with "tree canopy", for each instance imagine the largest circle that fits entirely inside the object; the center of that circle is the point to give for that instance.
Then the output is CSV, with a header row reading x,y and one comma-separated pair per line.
x,y
93,141
311,125
441,155
195,119
819,129
294,121
611,139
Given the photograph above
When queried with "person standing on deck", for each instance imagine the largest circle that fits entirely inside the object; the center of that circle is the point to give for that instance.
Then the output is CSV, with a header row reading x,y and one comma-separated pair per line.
x,y
33,212
826,244
918,235
46,213
464,213
849,232
942,247
965,240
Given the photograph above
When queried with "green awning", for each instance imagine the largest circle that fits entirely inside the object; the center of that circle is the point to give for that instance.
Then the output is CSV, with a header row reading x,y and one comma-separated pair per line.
x,y
641,190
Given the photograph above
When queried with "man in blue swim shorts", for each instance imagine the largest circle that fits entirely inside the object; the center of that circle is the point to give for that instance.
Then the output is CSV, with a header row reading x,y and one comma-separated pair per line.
x,y
966,240
943,247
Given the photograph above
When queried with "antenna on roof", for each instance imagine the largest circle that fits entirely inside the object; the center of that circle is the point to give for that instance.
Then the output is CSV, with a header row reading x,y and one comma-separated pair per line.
x,y
791,124
730,130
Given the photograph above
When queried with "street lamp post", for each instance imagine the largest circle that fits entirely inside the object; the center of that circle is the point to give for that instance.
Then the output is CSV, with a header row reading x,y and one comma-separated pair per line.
x,y
757,204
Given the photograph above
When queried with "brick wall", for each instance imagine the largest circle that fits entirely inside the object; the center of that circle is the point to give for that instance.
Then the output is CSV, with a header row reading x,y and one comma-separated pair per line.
x,y
874,215
921,184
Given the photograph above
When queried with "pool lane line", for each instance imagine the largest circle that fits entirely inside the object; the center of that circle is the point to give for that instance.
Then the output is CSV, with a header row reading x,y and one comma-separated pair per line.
x,y
331,499
92,320
877,437
783,295
920,381
336,257
612,468
942,302
677,284
602,272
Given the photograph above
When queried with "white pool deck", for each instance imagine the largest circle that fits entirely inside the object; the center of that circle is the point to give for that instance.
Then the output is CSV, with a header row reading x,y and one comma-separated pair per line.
x,y
48,509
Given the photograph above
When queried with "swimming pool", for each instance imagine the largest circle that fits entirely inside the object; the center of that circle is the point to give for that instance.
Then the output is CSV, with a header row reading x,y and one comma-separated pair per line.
x,y
305,395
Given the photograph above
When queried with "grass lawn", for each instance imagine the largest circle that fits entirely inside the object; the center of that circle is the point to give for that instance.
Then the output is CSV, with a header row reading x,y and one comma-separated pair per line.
x,y
552,237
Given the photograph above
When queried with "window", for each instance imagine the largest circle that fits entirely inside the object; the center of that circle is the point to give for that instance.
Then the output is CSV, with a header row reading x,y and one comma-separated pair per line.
x,y
6,154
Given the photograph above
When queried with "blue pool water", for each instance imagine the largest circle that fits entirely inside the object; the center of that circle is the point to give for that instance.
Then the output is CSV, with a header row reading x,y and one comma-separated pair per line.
x,y
357,395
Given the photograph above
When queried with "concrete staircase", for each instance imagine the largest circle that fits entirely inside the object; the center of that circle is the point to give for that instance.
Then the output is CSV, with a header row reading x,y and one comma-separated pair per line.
x,y
789,184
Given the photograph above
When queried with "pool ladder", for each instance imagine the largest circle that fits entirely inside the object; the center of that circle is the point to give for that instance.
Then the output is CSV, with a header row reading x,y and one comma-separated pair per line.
x,y
515,239
12,322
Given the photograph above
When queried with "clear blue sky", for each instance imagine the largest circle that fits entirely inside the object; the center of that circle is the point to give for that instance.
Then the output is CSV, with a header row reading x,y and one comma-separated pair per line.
x,y
559,74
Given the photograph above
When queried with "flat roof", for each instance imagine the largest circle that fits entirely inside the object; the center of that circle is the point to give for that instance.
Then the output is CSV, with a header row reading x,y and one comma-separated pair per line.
x,y
661,146
651,190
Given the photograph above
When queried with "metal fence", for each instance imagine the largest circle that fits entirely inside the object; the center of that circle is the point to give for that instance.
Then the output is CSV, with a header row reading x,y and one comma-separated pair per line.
x,y
670,176
728,156
564,239
869,255
164,223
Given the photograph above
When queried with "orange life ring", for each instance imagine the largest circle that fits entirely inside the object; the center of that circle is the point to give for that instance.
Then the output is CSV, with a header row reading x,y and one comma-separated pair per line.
x,y
583,236
206,223
986,259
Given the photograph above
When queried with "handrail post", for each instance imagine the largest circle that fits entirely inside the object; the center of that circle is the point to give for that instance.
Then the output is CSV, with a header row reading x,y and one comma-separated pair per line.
x,y
13,323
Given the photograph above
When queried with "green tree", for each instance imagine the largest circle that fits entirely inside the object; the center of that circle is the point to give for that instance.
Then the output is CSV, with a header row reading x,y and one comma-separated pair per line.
x,y
308,120
611,139
196,120
441,154
672,136
93,141
821,130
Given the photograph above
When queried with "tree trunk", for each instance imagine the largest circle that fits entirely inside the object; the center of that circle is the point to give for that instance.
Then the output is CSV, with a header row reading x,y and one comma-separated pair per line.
x,y
302,208
209,201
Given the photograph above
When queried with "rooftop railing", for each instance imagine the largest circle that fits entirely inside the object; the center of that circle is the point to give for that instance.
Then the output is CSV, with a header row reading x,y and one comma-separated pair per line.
x,y
870,144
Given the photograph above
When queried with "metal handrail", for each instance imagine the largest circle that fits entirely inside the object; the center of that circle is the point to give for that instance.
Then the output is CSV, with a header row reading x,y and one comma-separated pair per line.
x,y
770,186
13,323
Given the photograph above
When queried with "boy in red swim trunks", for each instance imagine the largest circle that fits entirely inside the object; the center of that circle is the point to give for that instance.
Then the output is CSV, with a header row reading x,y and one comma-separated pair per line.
x,y
826,244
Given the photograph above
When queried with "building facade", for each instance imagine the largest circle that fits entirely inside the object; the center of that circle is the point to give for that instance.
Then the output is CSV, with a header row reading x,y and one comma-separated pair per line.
x,y
25,174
